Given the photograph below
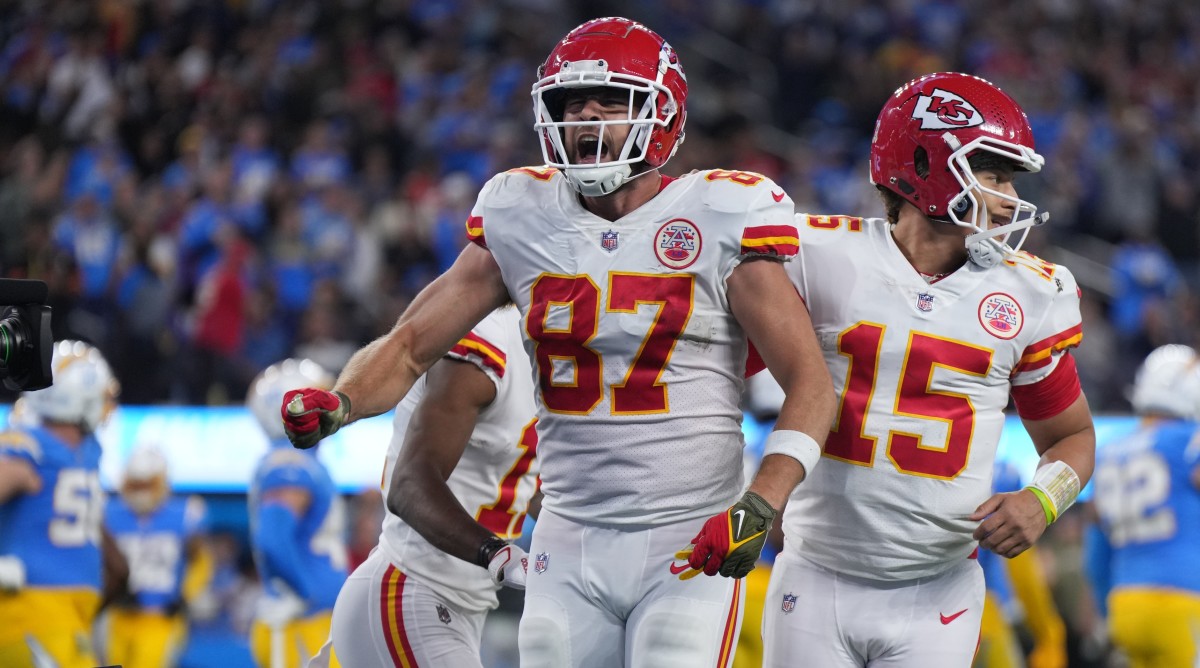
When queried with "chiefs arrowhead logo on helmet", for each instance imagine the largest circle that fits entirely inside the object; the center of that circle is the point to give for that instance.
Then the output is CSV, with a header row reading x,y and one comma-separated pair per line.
x,y
943,110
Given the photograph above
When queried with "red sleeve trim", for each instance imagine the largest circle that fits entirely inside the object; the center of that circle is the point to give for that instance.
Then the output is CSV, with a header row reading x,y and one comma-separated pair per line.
x,y
1051,395
475,231
477,347
1038,354
781,240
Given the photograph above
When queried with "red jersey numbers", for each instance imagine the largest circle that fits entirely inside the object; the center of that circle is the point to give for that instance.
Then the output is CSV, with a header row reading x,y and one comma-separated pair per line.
x,y
908,452
539,173
563,319
499,517
834,222
740,178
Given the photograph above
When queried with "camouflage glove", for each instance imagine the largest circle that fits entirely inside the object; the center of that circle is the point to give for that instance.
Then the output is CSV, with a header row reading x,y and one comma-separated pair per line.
x,y
310,415
729,543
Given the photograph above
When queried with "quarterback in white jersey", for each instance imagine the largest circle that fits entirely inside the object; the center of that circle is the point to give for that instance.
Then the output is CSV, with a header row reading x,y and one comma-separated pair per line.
x,y
639,297
468,427
926,338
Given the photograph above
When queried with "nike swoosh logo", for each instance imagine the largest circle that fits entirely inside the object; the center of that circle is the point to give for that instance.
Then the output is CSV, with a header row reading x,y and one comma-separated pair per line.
x,y
778,196
741,516
948,619
676,570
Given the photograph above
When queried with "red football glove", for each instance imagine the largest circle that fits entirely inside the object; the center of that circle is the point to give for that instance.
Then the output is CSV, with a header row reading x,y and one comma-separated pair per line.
x,y
730,543
310,415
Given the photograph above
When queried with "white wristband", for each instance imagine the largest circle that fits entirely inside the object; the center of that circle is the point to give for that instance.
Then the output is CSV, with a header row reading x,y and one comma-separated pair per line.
x,y
795,444
1059,482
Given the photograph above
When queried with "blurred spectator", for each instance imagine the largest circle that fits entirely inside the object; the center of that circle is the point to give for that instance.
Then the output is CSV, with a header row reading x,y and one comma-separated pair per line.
x,y
346,142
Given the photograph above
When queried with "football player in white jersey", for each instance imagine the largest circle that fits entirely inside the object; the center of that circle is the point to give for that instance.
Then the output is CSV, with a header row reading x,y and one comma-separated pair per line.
x,y
461,470
929,320
639,295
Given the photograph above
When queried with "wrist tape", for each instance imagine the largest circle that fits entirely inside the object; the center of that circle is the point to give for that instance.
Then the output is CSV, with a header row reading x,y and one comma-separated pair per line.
x,y
795,444
1055,485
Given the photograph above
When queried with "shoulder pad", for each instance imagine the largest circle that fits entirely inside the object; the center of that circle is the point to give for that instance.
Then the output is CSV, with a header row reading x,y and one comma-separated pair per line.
x,y
818,228
734,192
514,187
1046,277
18,442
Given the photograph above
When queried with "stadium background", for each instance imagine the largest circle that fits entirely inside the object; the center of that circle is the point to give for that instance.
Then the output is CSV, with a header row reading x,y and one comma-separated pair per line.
x,y
210,186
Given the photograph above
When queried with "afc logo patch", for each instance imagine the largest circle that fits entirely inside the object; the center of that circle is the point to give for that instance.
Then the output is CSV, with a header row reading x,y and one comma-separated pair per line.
x,y
1001,316
609,240
789,603
677,244
443,614
541,563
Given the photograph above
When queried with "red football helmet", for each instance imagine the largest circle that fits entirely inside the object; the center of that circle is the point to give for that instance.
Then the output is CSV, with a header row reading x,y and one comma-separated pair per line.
x,y
924,137
612,53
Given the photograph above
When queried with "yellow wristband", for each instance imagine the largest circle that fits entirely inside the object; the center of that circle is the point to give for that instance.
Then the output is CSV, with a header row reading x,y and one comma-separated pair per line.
x,y
1047,505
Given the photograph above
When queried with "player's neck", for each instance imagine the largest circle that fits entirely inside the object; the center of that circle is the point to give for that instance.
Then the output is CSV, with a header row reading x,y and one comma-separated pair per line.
x,y
634,193
931,247
67,433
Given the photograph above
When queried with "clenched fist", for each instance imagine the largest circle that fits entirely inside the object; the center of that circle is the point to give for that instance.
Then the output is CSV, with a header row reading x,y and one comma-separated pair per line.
x,y
310,415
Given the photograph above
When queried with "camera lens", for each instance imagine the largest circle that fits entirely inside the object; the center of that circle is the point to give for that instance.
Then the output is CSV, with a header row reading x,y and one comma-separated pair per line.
x,y
13,342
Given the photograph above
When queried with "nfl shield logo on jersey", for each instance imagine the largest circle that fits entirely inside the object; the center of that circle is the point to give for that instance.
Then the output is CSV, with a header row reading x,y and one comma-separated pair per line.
x,y
925,302
789,602
541,562
443,614
608,240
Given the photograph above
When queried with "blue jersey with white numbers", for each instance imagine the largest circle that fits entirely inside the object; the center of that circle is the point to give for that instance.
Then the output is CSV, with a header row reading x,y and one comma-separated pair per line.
x,y
155,545
1005,478
56,531
320,532
1149,510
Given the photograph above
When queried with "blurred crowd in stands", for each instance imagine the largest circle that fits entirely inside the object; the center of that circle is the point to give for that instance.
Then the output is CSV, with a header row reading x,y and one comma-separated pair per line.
x,y
209,186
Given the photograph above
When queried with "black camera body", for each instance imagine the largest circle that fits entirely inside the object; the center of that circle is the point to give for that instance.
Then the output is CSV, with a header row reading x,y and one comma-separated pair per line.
x,y
26,341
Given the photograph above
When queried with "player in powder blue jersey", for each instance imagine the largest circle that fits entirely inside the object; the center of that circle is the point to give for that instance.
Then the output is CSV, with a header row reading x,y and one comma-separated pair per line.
x,y
51,514
297,524
1142,559
162,538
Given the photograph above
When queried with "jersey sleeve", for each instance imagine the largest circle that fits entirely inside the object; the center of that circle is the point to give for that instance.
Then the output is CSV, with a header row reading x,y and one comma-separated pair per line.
x,y
767,228
502,191
20,445
1059,330
483,346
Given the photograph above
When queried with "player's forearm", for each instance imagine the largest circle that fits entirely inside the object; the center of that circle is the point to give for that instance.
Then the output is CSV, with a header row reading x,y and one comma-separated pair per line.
x,y
1077,451
424,501
378,376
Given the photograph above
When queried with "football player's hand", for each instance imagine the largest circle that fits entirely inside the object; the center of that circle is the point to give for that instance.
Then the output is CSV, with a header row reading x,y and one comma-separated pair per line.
x,y
1009,523
509,566
12,573
729,543
310,415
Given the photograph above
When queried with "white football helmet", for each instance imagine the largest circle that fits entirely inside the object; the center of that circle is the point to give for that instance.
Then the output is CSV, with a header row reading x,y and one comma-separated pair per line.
x,y
144,485
1168,383
267,390
84,390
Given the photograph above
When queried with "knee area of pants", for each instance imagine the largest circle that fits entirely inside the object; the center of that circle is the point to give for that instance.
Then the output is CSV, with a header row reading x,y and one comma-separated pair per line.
x,y
671,639
543,642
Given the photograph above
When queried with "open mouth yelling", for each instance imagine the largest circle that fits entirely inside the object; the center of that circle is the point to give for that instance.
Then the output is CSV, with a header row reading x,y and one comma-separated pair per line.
x,y
589,149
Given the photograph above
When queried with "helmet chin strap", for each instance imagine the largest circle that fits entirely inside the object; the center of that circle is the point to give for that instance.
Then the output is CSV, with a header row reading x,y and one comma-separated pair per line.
x,y
986,250
606,180
597,181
